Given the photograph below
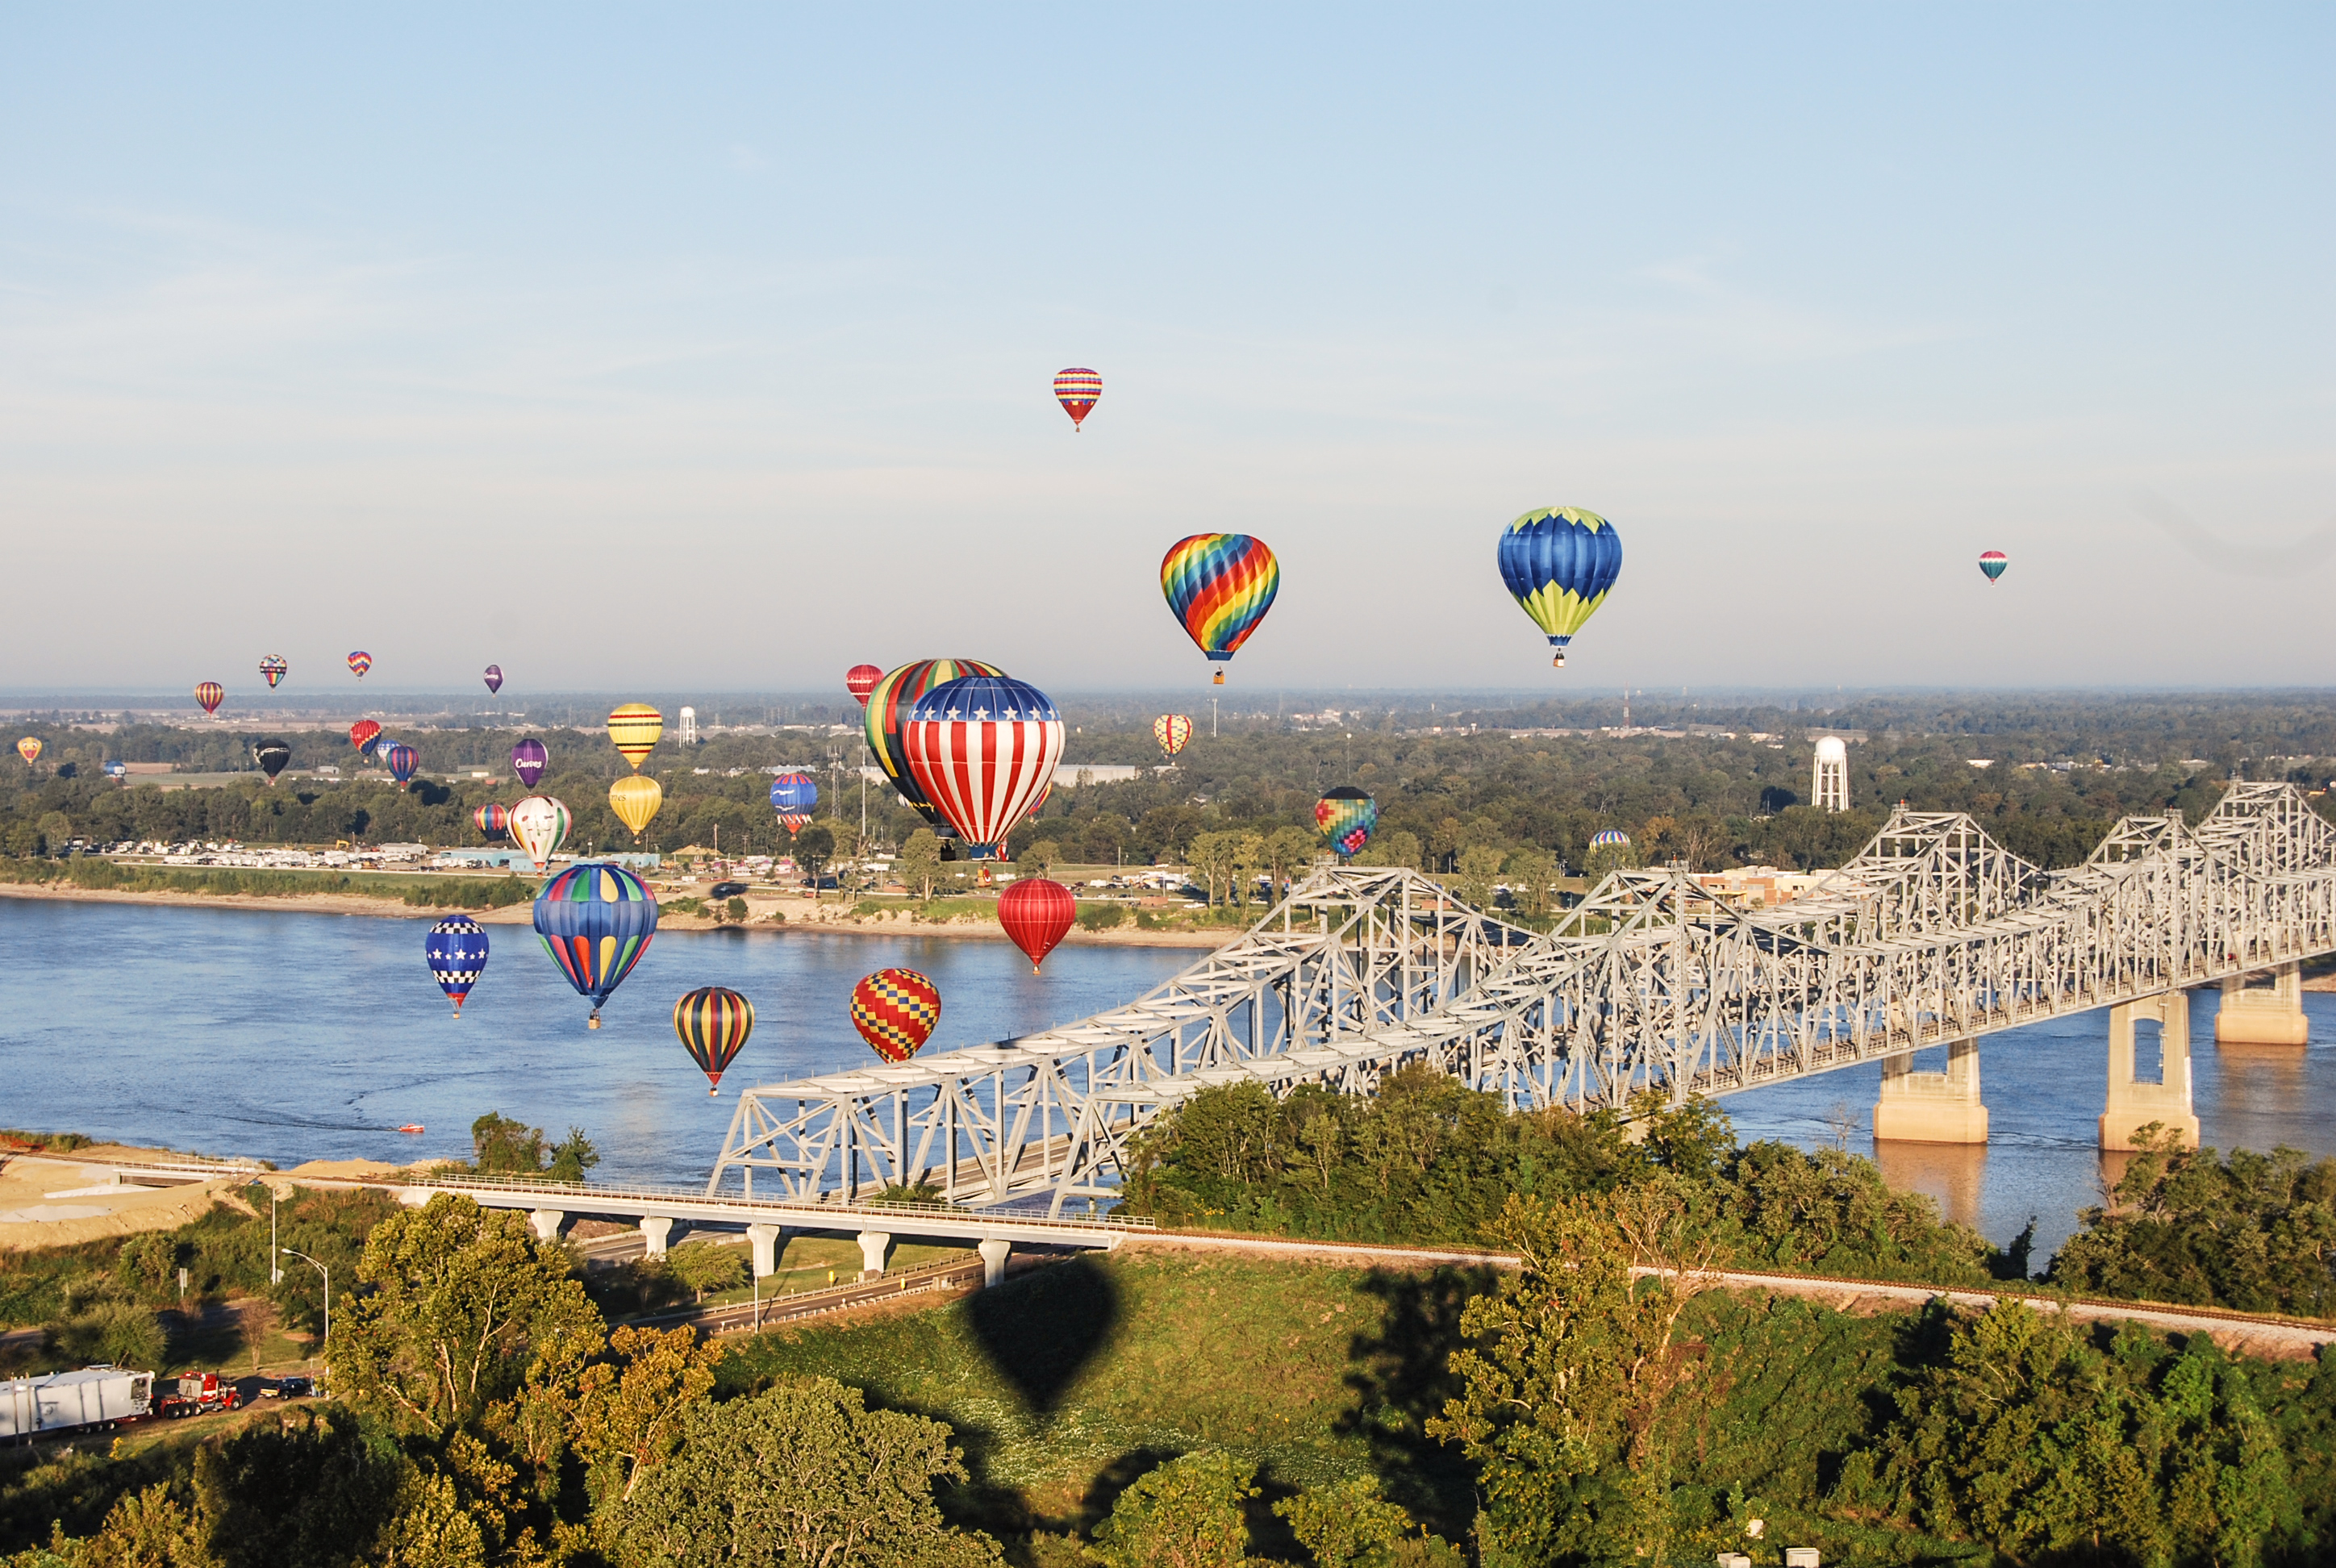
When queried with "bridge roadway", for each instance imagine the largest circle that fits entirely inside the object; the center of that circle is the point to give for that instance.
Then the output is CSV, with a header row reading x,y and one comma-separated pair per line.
x,y
1934,934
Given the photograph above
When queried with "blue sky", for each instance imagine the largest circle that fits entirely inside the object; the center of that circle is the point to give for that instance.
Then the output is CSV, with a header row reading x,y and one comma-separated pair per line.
x,y
711,349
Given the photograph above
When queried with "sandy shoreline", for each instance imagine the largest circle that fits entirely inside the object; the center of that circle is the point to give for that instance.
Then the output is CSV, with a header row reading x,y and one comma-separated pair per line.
x,y
802,916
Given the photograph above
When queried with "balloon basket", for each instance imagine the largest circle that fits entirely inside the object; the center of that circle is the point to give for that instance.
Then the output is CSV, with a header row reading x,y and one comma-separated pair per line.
x,y
1220,675
1557,662
594,1023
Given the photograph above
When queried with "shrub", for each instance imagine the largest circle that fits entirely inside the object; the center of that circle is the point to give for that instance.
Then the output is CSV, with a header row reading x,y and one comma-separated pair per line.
x,y
1100,916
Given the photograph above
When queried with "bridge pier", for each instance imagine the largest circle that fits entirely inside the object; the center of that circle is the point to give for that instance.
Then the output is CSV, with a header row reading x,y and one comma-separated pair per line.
x,y
767,1243
547,1223
2134,1104
1932,1108
993,1261
654,1231
2269,1015
873,1245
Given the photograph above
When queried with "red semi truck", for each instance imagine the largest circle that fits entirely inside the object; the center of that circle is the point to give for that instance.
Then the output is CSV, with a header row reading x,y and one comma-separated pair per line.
x,y
197,1394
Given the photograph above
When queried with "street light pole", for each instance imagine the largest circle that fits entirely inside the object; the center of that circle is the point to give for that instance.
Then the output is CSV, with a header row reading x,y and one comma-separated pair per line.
x,y
328,1302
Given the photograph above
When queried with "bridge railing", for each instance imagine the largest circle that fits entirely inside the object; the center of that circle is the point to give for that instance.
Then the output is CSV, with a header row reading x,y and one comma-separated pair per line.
x,y
580,1196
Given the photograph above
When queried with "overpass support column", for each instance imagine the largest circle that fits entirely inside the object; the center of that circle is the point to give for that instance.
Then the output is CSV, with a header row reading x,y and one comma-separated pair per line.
x,y
1932,1108
654,1231
993,1261
2134,1104
2263,1014
767,1243
873,1244
547,1223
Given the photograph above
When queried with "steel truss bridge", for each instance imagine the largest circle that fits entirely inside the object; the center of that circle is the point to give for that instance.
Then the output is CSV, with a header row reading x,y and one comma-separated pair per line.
x,y
1934,934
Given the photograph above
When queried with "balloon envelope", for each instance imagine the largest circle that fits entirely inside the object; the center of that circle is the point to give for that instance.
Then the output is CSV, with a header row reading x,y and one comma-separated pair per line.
x,y
1993,563
361,736
528,759
1559,563
1171,730
360,662
274,668
1347,817
636,728
888,702
982,749
595,921
1037,913
457,951
895,1011
1078,390
713,1023
210,695
539,825
1219,586
402,760
1608,836
271,755
861,679
792,796
493,820
635,798
29,748
494,677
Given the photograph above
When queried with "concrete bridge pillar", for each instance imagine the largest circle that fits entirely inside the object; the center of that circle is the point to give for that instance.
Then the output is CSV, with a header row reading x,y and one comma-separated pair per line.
x,y
767,1243
873,1245
655,1231
1932,1108
2269,1015
547,1223
993,1261
2134,1104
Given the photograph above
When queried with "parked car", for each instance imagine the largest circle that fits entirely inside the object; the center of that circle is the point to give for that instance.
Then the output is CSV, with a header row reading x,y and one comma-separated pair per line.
x,y
726,890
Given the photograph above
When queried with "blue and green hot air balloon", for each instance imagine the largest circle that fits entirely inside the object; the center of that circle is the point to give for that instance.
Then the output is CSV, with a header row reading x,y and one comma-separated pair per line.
x,y
595,921
1559,562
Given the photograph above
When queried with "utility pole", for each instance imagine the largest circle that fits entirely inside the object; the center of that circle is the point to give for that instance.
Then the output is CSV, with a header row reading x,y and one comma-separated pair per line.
x,y
1212,716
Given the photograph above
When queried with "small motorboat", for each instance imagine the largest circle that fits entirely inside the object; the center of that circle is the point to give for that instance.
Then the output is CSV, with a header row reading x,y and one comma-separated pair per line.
x,y
411,1128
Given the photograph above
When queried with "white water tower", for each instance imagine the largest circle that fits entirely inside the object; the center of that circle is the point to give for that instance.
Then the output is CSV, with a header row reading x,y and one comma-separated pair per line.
x,y
1829,788
689,726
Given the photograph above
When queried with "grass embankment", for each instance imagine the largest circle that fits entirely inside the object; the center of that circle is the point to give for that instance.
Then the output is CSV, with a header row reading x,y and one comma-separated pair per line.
x,y
419,892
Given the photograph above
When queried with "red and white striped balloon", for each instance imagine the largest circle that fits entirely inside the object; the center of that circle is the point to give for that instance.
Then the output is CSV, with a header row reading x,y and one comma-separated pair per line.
x,y
983,749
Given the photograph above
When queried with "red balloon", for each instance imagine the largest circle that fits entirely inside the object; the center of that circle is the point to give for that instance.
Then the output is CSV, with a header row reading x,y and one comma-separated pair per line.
x,y
1037,913
861,679
363,734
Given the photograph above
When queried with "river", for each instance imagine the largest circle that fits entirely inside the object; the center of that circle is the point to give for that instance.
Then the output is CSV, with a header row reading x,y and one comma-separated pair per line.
x,y
290,1036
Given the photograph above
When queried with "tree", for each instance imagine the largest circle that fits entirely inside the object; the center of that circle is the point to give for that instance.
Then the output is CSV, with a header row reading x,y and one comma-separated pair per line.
x,y
1287,851
1248,857
464,1305
704,1266
1531,873
919,865
1211,858
1345,1525
505,1147
1399,849
628,1420
302,1490
814,846
1471,883
148,1529
1040,859
1187,1514
801,1474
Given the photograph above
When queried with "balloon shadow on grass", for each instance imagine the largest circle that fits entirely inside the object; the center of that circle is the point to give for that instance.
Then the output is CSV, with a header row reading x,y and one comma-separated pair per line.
x,y
1401,1377
1044,1329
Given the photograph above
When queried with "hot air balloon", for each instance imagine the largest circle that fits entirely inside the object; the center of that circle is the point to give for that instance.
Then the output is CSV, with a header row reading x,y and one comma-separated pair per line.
x,y
713,1023
528,758
982,749
29,748
895,1011
792,796
635,727
457,950
275,669
1609,837
360,662
402,760
1078,391
208,696
889,701
117,769
1219,586
271,755
595,921
539,825
493,820
1171,730
1036,913
494,679
861,679
635,798
363,734
1559,563
1992,562
1347,817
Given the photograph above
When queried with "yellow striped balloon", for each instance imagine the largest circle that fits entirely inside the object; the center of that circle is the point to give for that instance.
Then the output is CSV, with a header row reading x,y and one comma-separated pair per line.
x,y
713,1023
635,798
636,728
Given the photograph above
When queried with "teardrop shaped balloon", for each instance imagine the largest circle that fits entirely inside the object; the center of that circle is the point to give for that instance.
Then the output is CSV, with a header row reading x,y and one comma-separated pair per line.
x,y
539,825
1347,817
493,820
712,1022
1993,562
363,734
1078,390
275,669
982,749
271,755
208,696
1171,730
895,1011
888,702
636,728
792,796
1559,564
635,798
861,679
29,748
528,760
1037,913
596,919
1219,586
494,677
360,662
456,950
402,760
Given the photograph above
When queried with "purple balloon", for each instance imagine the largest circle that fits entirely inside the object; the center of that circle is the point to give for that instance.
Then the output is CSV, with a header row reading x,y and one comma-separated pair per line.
x,y
402,760
528,758
494,677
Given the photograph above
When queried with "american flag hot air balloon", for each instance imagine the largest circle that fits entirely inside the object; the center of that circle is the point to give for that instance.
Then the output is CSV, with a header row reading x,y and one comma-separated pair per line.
x,y
982,749
1078,390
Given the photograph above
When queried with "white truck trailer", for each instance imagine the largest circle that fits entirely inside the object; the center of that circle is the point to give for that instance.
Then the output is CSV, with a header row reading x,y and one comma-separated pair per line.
x,y
62,1401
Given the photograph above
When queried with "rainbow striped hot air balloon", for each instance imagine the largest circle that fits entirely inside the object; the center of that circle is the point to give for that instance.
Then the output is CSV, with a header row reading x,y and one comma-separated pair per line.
x,y
1078,390
1559,563
712,1022
1347,817
1219,586
493,820
402,760
275,667
208,696
595,921
1171,730
1993,562
360,662
889,701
